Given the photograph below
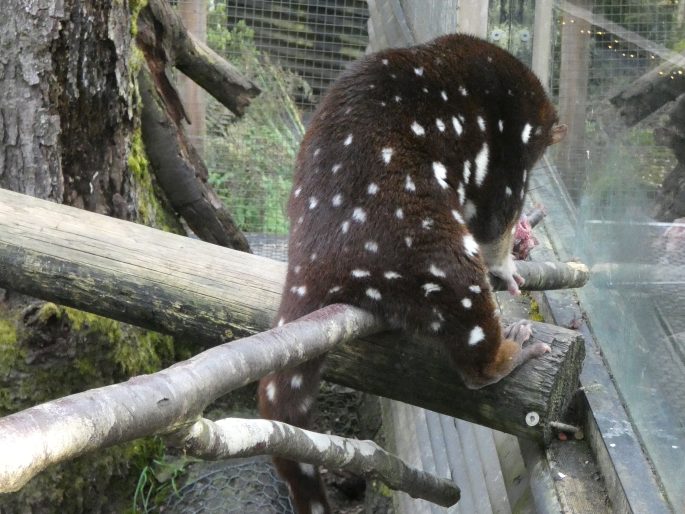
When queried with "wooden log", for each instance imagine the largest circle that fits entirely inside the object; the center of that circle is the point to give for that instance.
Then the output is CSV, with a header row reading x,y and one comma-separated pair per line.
x,y
209,293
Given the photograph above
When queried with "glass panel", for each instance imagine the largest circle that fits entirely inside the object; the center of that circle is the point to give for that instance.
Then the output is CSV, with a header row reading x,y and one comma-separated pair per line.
x,y
617,77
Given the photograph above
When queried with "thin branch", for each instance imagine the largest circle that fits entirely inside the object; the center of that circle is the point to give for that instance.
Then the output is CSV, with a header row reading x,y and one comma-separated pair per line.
x,y
248,437
60,430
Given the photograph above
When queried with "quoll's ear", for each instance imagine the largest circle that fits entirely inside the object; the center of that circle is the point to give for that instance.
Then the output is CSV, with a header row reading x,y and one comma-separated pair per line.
x,y
558,133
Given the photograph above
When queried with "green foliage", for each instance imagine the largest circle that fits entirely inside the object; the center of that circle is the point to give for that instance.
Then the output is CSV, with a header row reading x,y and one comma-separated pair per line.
x,y
251,159
158,481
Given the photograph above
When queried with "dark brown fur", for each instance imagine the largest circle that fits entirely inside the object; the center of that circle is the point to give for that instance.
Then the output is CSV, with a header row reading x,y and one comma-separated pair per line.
x,y
354,248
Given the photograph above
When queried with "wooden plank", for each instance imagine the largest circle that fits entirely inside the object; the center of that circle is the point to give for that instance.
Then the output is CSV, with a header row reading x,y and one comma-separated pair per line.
x,y
209,293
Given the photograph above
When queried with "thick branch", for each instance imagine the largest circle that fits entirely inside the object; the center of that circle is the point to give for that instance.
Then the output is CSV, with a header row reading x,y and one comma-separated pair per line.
x,y
248,437
180,171
649,92
33,439
199,62
209,293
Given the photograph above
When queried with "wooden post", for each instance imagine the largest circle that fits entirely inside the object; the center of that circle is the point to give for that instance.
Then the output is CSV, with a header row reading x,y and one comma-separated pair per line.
x,y
542,40
209,293
472,17
571,156
194,16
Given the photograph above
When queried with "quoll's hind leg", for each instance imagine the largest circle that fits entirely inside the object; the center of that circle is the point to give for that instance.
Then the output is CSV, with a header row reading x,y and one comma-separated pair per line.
x,y
289,396
511,352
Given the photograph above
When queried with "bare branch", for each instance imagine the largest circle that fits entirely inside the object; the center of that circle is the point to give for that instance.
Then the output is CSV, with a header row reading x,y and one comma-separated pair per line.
x,y
179,169
33,439
199,62
248,437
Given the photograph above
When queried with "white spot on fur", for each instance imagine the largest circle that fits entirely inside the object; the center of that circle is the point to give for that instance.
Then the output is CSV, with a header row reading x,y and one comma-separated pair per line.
x,y
385,62
466,302
500,124
427,223
463,91
360,273
476,336
345,226
457,216
525,135
359,215
440,173
418,129
348,140
334,289
525,175
337,200
312,257
296,381
481,123
437,272
443,94
299,290
467,172
440,124
430,287
399,214
391,275
469,210
336,167
458,127
507,191
386,153
409,184
297,192
408,241
371,246
372,189
418,71
300,220
316,508
297,269
461,191
316,152
313,202
398,98
307,469
374,294
470,245
271,391
425,90
475,289
281,322
435,326
482,164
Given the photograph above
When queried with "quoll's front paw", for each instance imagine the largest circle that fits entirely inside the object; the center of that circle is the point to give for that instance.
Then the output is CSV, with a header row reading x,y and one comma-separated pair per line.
x,y
507,273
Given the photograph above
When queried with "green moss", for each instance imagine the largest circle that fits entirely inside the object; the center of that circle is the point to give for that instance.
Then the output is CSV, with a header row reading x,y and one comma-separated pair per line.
x,y
146,195
534,313
134,7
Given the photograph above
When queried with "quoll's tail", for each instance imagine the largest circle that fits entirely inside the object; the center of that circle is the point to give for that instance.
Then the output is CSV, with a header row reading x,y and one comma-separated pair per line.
x,y
289,396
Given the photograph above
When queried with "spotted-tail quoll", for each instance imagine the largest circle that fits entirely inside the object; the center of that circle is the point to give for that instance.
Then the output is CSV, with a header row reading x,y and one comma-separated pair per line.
x,y
408,186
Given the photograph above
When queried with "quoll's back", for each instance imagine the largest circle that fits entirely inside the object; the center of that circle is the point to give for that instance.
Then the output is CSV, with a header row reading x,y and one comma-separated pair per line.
x,y
409,182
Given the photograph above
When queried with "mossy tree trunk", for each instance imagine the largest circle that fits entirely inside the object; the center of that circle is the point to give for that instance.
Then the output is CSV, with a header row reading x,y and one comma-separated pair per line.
x,y
70,133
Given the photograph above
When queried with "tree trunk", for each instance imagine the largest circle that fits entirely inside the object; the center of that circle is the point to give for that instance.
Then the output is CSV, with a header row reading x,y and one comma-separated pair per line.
x,y
69,133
